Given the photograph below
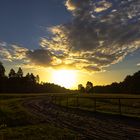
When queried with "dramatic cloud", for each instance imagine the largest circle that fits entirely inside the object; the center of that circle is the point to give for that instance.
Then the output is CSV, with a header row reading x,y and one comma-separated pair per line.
x,y
101,33
17,53
40,57
12,52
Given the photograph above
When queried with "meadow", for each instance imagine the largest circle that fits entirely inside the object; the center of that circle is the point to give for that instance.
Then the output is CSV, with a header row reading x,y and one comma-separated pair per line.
x,y
123,104
17,122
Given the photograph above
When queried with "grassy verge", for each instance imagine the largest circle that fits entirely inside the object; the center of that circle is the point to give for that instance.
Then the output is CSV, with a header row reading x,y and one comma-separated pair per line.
x,y
16,123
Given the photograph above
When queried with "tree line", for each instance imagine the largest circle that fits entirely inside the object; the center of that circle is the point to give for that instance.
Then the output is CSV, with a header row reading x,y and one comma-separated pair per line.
x,y
130,85
16,82
88,89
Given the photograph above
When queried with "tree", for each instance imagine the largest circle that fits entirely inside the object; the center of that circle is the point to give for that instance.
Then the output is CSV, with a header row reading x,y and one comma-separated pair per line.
x,y
28,76
2,70
81,88
37,79
12,73
20,73
32,78
89,87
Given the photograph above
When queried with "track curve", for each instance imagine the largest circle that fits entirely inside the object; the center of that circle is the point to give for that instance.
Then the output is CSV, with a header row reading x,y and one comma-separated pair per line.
x,y
88,126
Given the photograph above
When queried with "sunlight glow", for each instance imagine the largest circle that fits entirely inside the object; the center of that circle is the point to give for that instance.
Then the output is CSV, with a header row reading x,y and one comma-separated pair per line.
x,y
65,78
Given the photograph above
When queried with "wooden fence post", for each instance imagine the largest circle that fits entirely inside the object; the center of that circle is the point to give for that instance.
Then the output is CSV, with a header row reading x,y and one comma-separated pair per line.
x,y
120,111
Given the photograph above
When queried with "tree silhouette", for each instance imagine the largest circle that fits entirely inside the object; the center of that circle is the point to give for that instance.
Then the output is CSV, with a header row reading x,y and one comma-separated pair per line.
x,y
28,76
32,78
2,70
37,79
89,87
17,83
19,73
12,73
129,85
81,88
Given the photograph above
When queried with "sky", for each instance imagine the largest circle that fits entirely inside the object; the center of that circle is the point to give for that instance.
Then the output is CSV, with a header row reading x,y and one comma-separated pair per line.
x,y
99,40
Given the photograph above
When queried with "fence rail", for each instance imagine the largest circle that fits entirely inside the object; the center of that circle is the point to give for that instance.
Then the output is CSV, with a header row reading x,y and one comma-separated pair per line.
x,y
119,104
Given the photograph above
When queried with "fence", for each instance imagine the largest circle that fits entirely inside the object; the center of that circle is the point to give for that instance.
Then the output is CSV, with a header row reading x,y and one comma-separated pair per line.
x,y
117,105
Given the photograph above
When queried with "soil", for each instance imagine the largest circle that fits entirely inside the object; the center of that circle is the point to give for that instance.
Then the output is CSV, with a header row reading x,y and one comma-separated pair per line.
x,y
88,125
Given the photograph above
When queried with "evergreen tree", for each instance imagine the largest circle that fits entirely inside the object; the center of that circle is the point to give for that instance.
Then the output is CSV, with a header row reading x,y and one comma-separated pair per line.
x,y
12,73
37,79
32,78
20,73
28,75
2,70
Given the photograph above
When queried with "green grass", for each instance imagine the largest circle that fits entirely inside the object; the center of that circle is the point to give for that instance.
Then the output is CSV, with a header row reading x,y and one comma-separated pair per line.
x,y
129,107
37,132
16,123
13,114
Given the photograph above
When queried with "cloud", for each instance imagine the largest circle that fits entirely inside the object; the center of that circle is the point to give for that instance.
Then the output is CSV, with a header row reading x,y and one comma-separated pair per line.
x,y
70,5
92,68
102,6
40,57
27,57
75,5
12,52
100,34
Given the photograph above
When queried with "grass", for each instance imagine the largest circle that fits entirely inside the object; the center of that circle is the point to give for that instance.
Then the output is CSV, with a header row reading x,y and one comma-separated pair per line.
x,y
37,132
16,123
12,114
129,107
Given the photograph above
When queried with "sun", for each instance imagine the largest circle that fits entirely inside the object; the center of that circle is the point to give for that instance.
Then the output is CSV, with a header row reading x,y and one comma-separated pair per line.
x,y
65,78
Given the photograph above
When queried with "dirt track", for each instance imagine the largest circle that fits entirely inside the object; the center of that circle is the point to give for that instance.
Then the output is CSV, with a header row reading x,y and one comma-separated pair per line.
x,y
89,126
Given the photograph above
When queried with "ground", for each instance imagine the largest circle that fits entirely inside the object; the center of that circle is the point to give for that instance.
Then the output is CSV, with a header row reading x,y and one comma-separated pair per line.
x,y
37,117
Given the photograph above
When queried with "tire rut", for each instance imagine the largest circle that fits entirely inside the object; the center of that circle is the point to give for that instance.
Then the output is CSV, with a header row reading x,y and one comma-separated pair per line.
x,y
89,127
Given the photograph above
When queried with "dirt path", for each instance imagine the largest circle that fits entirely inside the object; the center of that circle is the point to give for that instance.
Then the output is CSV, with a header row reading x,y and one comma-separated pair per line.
x,y
90,126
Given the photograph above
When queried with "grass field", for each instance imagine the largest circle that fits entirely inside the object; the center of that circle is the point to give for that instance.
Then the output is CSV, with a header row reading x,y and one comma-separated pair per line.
x,y
129,106
17,123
